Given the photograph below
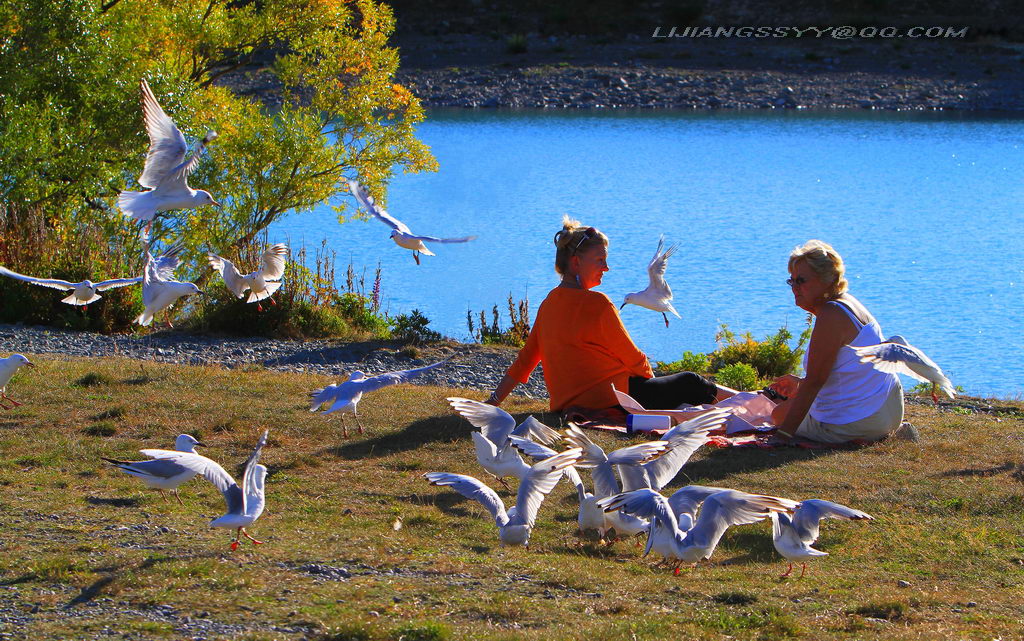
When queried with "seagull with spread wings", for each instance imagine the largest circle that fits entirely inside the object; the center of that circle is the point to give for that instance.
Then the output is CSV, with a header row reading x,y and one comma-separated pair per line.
x,y
658,295
244,503
261,283
514,525
167,169
400,232
345,397
897,356
82,293
793,537
159,289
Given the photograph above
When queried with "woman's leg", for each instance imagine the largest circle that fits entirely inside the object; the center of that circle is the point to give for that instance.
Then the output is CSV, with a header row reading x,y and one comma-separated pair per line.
x,y
673,390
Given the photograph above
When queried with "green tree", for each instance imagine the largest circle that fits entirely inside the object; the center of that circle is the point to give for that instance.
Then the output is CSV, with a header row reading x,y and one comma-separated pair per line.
x,y
71,132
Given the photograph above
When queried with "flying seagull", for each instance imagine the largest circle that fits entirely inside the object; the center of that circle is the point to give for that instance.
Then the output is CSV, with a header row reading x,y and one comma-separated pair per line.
x,y
82,293
897,356
161,474
658,295
8,366
167,169
159,289
244,503
261,283
345,397
400,232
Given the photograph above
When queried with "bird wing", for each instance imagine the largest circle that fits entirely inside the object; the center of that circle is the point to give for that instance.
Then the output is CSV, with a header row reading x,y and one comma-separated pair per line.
x,y
178,176
374,383
320,396
251,468
167,145
485,449
807,517
273,261
535,451
895,358
472,488
688,500
683,440
732,507
112,283
54,283
370,205
538,482
632,460
656,268
167,262
644,503
533,429
156,468
211,471
605,483
495,423
785,536
229,273
435,239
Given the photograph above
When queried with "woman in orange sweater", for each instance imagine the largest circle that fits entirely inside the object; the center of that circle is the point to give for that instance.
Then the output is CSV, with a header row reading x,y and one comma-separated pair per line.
x,y
585,348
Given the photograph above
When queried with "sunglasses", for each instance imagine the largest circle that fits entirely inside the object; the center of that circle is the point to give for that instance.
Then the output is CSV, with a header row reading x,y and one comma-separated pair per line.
x,y
588,233
796,282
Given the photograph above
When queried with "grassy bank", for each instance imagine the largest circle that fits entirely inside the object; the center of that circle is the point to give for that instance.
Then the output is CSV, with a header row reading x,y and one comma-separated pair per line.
x,y
88,548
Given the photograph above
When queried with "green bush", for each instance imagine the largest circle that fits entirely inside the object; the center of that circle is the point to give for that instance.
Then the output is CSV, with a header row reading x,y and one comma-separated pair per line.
x,y
492,333
738,376
412,328
690,362
771,357
428,631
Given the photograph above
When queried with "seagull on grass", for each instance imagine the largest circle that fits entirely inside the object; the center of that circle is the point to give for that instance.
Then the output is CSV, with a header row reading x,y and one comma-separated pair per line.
x,y
720,511
159,289
400,232
345,397
261,283
658,295
514,525
494,449
8,366
897,356
82,293
167,169
794,536
244,503
160,474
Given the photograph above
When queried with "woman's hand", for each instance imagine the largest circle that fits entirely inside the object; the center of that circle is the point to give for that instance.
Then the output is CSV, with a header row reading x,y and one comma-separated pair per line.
x,y
787,385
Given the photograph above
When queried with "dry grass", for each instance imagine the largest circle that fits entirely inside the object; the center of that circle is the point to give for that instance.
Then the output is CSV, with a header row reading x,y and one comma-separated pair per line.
x,y
84,542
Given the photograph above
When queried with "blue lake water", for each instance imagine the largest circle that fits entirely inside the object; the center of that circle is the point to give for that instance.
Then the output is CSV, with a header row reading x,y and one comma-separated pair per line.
x,y
926,209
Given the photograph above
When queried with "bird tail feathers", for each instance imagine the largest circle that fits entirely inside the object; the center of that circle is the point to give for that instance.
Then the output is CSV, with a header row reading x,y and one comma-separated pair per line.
x,y
71,300
131,203
266,293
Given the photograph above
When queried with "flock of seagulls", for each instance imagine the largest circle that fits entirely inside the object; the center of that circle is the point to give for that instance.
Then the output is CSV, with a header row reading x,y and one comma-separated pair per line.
x,y
684,527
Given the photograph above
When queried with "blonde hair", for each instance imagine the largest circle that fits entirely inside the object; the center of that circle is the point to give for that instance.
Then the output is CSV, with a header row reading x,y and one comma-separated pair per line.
x,y
823,261
573,239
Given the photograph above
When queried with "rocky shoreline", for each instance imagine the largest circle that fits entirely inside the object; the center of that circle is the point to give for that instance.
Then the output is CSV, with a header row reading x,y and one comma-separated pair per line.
x,y
473,366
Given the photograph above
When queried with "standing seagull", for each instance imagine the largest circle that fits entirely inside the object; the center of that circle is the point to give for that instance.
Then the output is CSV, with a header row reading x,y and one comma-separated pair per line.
x,y
658,295
262,283
245,503
82,293
345,397
8,366
159,289
160,474
793,537
897,356
515,525
400,232
167,170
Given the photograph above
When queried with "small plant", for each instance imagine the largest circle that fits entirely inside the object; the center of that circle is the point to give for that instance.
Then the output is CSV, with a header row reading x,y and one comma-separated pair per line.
x,y
413,328
738,376
516,44
771,357
889,610
428,631
93,379
103,428
492,334
690,362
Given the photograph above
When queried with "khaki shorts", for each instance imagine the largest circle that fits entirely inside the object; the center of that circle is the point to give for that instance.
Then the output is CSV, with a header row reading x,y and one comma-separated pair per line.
x,y
871,428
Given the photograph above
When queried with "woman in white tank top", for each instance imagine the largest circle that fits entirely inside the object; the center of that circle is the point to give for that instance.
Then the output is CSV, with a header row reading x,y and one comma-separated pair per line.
x,y
840,399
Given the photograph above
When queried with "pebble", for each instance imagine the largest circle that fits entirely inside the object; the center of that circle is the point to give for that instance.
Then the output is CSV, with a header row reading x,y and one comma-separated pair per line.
x,y
903,584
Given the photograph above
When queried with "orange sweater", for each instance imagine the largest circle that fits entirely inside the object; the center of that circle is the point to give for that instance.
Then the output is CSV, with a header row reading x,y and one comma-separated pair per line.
x,y
584,347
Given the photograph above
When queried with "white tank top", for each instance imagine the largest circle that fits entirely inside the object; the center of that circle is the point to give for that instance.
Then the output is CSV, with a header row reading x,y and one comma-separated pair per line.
x,y
853,390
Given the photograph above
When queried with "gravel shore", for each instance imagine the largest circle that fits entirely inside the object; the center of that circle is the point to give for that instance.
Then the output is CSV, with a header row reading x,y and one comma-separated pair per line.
x,y
473,366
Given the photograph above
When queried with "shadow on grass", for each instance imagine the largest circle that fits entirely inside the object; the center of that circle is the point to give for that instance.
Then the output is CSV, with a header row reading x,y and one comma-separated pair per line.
x,y
723,463
445,428
988,471
96,588
116,502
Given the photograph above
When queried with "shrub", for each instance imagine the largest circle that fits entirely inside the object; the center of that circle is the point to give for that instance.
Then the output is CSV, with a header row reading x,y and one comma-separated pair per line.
x,y
103,428
413,328
690,362
738,376
771,357
428,631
